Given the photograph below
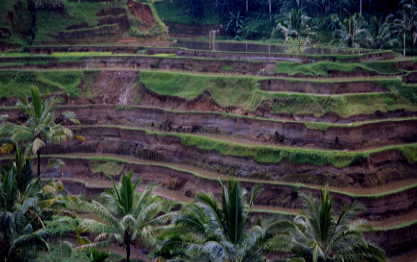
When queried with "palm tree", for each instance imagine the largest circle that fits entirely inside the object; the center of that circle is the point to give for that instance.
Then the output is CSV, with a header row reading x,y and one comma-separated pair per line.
x,y
41,126
126,215
352,30
207,231
381,33
406,24
296,24
322,235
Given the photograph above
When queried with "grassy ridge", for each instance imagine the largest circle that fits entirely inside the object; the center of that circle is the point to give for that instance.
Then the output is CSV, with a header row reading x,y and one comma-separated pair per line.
x,y
212,177
388,67
13,84
227,91
275,154
245,93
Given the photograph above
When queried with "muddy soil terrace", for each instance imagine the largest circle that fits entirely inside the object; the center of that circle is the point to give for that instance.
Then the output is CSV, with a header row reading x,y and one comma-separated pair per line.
x,y
124,122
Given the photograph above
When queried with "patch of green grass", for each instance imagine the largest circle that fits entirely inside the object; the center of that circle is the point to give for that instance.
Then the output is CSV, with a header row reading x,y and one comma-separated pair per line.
x,y
110,169
244,92
164,55
323,68
82,54
227,68
227,91
49,23
18,83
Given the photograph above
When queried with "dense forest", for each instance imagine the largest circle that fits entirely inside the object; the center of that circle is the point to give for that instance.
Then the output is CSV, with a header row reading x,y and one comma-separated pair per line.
x,y
351,23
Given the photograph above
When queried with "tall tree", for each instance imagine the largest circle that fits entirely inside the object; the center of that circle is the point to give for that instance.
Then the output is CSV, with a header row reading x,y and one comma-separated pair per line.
x,y
406,23
41,125
322,234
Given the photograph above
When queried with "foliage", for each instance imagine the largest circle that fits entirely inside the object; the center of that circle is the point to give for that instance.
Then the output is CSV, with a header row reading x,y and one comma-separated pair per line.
x,y
244,92
210,231
40,127
296,25
322,235
125,215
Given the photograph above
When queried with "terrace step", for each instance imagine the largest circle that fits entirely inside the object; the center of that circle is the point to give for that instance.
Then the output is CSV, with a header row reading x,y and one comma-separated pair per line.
x,y
250,130
365,169
385,233
100,185
379,55
381,202
197,65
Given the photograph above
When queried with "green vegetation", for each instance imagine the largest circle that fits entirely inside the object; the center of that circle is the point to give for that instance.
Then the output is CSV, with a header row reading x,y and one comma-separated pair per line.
x,y
215,177
331,235
275,154
169,12
324,68
110,169
207,225
244,92
15,83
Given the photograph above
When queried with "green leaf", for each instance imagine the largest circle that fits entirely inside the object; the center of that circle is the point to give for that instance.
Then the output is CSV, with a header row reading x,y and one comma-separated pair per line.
x,y
36,101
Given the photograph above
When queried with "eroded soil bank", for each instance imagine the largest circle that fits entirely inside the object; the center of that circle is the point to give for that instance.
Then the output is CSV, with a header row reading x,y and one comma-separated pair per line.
x,y
369,135
394,241
377,169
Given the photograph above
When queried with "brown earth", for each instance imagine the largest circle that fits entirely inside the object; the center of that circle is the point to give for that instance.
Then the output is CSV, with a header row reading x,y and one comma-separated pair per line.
x,y
143,14
178,179
230,127
394,241
376,171
166,63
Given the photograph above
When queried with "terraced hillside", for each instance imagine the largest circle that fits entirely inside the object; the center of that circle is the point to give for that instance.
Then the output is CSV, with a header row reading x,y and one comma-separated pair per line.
x,y
185,118
78,21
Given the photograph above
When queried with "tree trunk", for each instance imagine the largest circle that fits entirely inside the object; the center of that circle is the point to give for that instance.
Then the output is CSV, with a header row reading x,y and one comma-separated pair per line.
x,y
39,163
404,51
33,12
270,10
127,244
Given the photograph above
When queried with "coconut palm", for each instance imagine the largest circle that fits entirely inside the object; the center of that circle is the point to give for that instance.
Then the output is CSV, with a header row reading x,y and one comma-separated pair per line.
x,y
381,33
41,126
208,231
126,215
406,23
352,30
319,234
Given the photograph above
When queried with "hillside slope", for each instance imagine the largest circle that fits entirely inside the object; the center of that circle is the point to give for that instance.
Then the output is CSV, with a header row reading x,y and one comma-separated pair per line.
x,y
67,21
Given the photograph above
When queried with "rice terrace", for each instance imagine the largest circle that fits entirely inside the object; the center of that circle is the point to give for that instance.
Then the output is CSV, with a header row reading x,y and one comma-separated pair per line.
x,y
208,131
